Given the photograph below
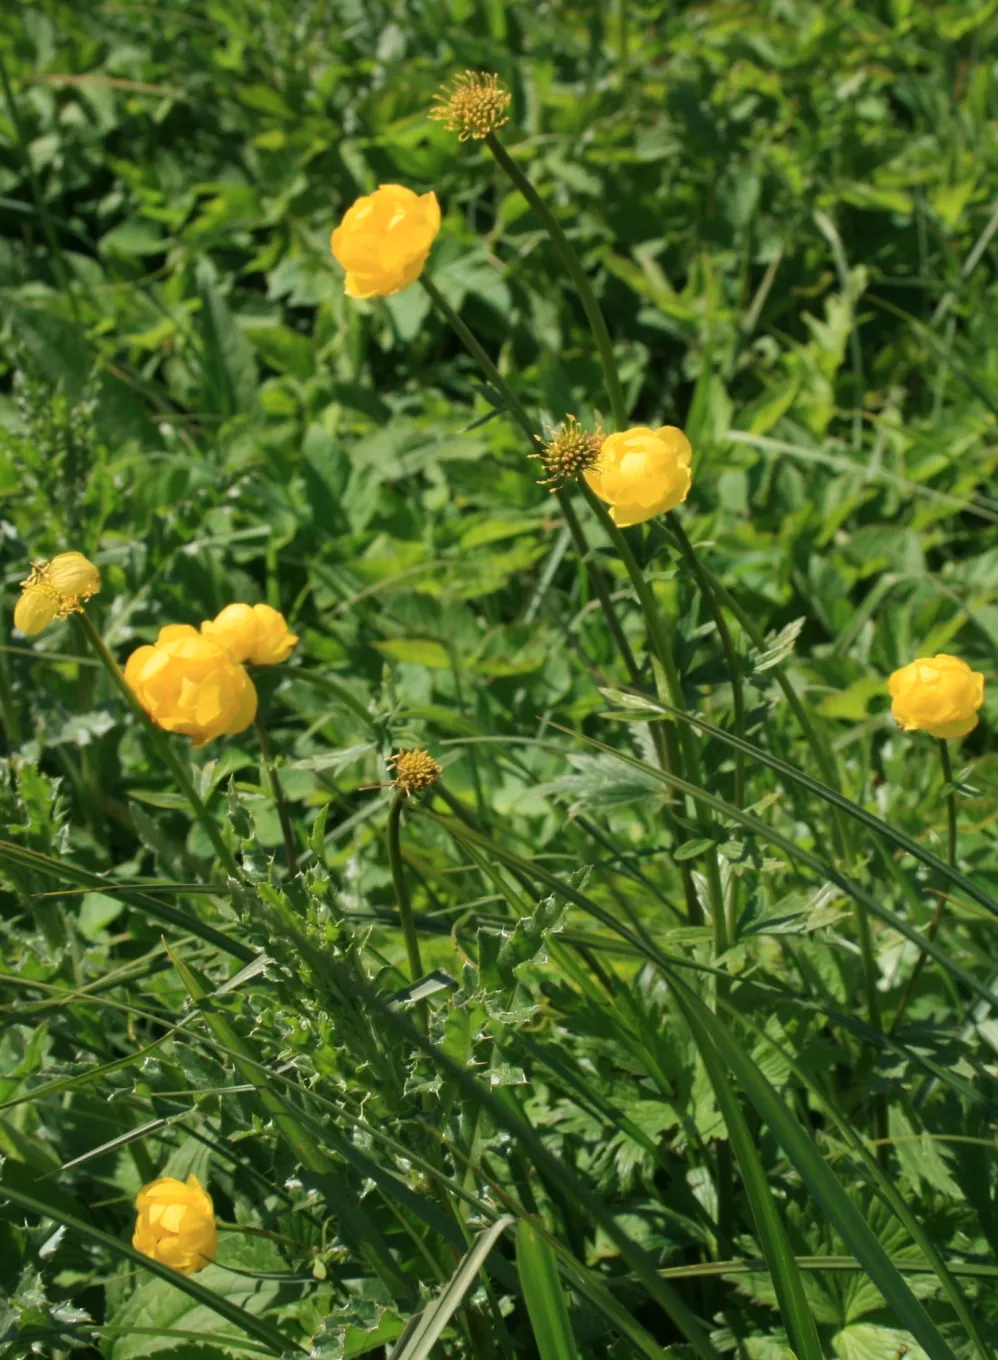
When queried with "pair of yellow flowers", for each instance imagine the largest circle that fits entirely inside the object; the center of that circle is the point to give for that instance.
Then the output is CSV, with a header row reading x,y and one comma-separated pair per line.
x,y
188,681
383,243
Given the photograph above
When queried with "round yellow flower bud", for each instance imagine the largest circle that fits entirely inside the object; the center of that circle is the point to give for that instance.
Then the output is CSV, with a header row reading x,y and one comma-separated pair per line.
x,y
36,609
940,696
176,1224
642,472
252,632
189,683
384,239
72,574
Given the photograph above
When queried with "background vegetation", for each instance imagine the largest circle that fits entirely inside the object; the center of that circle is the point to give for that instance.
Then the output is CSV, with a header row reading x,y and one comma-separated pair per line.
x,y
787,210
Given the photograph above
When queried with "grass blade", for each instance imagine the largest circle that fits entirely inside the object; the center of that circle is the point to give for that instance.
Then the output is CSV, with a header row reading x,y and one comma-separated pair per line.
x,y
538,1269
418,1340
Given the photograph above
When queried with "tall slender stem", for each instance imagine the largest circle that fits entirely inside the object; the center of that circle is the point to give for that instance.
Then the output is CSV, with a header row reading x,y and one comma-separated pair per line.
x,y
409,931
949,794
163,747
290,854
576,273
515,408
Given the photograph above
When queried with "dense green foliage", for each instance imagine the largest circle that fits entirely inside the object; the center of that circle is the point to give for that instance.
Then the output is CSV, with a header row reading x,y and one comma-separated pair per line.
x,y
673,1138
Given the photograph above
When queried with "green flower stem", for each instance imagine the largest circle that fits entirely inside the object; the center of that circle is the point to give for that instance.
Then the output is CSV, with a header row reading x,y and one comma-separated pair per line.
x,y
402,898
515,408
737,693
290,853
727,643
661,645
937,916
163,748
576,273
823,759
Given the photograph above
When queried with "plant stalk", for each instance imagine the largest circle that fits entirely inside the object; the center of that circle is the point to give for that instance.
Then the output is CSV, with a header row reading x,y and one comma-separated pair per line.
x,y
937,915
402,899
576,273
290,853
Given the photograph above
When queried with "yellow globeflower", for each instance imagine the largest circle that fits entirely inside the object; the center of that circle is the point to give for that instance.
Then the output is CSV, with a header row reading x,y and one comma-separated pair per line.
x,y
53,590
938,695
36,608
252,632
189,683
176,1224
642,472
384,239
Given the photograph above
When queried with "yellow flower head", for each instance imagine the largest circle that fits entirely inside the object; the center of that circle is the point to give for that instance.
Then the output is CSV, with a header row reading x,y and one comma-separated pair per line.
x,y
36,608
475,106
414,770
54,590
642,473
940,696
384,240
571,451
176,1224
252,632
189,683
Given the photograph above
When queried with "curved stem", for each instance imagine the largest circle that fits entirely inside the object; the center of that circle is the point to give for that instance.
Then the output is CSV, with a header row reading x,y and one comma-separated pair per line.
x,y
163,747
402,897
576,273
661,644
937,916
823,759
727,644
287,830
515,408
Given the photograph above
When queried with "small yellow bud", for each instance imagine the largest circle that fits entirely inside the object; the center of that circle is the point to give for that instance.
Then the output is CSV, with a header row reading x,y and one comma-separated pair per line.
x,y
570,452
476,105
176,1224
642,473
414,771
938,695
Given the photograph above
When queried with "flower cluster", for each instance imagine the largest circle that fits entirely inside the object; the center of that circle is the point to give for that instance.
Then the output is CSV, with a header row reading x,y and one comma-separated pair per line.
x,y
195,682
176,1224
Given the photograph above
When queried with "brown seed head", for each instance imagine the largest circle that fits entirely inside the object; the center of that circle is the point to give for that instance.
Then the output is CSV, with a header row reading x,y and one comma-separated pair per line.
x,y
571,451
414,771
475,105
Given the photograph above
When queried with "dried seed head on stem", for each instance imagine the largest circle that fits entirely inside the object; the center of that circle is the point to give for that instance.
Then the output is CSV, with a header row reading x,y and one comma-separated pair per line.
x,y
475,105
571,451
414,771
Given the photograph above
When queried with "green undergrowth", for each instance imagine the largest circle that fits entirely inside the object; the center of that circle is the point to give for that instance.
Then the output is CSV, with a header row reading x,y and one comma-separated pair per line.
x,y
616,1134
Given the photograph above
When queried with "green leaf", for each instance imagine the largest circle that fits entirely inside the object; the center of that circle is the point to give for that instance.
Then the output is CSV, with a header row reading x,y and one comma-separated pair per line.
x,y
417,652
158,1305
426,1328
537,1267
